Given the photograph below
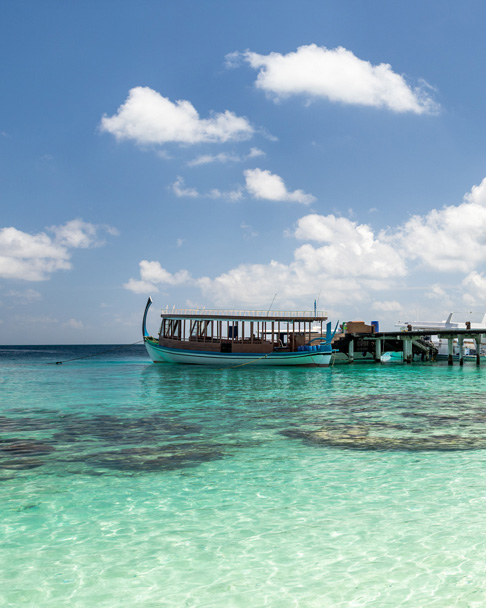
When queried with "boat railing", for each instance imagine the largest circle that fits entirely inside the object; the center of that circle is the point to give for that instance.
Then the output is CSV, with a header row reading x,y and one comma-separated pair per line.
x,y
250,314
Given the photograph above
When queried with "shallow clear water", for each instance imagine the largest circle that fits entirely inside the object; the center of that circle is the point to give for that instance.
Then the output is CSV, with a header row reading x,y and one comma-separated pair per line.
x,y
133,484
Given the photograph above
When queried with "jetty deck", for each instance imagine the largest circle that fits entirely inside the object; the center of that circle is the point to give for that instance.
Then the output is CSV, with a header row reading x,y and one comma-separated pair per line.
x,y
410,342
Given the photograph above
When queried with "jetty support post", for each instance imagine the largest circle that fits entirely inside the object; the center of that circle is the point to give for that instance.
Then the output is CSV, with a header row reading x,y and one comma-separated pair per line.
x,y
378,350
351,350
477,339
407,349
450,351
461,349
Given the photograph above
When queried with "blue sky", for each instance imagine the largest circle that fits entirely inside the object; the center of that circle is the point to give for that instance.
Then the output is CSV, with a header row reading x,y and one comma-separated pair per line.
x,y
221,154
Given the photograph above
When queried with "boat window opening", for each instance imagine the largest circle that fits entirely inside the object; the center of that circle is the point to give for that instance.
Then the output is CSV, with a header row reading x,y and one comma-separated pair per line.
x,y
205,329
233,331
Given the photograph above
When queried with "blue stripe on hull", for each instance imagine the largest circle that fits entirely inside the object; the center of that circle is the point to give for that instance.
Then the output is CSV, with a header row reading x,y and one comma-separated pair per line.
x,y
160,354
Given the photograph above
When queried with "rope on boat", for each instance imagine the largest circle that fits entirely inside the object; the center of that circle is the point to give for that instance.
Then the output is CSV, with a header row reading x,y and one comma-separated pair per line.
x,y
96,354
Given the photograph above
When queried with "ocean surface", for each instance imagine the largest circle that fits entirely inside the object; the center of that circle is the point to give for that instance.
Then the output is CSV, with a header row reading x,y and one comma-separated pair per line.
x,y
126,483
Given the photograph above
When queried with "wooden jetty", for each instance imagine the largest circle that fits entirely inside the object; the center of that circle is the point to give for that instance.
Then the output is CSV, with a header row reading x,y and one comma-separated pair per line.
x,y
361,338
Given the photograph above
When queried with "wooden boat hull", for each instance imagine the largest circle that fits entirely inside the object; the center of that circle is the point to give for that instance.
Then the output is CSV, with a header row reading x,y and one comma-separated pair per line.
x,y
163,354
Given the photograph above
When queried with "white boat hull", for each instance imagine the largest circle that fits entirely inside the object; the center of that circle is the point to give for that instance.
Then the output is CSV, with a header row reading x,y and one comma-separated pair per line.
x,y
392,357
455,357
161,354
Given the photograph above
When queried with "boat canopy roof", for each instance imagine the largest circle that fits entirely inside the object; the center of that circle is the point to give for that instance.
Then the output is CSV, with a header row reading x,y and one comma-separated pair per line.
x,y
244,315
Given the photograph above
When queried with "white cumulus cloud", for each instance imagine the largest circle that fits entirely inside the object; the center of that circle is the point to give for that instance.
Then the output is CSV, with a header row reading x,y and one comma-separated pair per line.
x,y
351,262
477,194
449,239
79,234
255,152
152,275
260,183
474,285
180,190
351,249
254,285
149,118
337,75
33,257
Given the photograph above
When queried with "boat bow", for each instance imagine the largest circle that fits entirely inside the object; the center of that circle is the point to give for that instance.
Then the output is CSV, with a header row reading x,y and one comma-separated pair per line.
x,y
145,333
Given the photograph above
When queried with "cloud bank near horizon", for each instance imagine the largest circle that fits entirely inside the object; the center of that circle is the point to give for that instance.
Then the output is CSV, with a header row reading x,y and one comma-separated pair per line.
x,y
351,259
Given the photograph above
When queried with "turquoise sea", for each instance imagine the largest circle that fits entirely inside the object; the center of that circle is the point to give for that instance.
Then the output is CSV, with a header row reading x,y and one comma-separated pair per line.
x,y
125,483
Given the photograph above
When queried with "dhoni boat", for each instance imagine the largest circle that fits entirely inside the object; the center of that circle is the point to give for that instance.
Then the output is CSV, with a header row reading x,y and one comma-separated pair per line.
x,y
232,338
